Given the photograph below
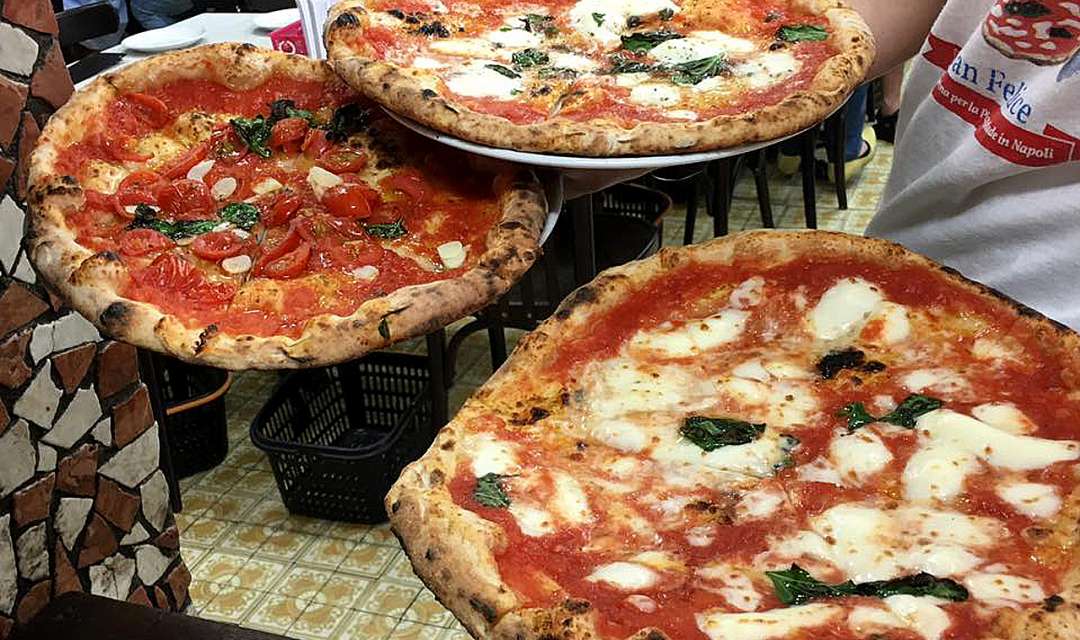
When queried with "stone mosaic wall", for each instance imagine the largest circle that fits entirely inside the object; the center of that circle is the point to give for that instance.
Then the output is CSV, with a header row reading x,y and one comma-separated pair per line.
x,y
84,505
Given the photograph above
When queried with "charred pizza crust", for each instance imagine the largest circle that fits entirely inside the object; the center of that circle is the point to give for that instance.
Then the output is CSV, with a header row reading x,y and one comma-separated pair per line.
x,y
91,282
453,549
403,91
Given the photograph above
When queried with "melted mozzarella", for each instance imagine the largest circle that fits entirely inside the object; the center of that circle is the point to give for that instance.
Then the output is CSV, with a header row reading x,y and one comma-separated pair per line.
x,y
465,47
1000,586
577,62
733,585
607,31
778,623
532,520
760,503
998,448
781,403
767,69
700,44
819,470
757,458
621,434
895,323
514,38
620,386
1004,416
476,79
569,500
859,455
625,576
987,349
922,615
693,337
937,473
749,293
491,455
655,94
940,380
844,309
421,62
1031,499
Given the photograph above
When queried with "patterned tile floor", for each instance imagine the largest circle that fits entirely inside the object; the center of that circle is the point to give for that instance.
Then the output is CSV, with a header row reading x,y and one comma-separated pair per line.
x,y
256,565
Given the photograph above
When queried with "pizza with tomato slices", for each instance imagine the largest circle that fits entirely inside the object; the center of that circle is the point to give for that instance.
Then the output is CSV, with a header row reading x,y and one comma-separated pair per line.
x,y
243,208
604,77
797,435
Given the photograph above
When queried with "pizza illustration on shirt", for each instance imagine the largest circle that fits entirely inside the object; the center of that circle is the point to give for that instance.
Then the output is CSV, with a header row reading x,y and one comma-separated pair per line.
x,y
1045,32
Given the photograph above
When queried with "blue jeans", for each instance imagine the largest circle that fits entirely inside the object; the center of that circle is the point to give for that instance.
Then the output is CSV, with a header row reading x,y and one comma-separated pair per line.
x,y
854,120
154,14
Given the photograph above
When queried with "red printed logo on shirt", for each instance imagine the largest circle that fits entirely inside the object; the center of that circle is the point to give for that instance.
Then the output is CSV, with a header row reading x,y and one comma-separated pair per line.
x,y
999,116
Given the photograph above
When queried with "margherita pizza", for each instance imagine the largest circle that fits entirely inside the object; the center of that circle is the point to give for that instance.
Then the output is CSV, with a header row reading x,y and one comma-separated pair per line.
x,y
242,208
603,77
771,435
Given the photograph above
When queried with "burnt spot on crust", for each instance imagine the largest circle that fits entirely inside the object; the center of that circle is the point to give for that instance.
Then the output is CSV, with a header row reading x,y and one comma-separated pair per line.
x,y
427,94
486,610
577,606
536,414
204,338
346,20
437,477
721,511
511,225
431,554
580,297
302,360
447,446
115,315
653,634
1052,603
395,506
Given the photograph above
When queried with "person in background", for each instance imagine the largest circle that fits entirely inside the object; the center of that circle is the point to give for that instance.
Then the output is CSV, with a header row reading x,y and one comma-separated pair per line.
x,y
986,171
885,122
860,141
154,14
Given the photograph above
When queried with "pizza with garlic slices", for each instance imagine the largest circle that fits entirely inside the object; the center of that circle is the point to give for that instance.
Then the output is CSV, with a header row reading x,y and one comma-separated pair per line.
x,y
243,208
798,435
604,77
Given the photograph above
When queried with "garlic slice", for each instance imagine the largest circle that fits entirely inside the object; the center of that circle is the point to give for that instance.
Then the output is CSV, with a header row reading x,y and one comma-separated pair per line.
x,y
452,254
223,188
199,171
236,264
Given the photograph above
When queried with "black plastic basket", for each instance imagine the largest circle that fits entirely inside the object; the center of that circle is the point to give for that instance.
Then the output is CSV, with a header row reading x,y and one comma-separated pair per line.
x,y
195,423
338,437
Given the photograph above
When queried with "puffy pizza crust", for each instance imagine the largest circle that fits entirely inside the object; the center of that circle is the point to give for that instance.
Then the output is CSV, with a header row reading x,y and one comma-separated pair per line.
x,y
453,550
402,90
91,282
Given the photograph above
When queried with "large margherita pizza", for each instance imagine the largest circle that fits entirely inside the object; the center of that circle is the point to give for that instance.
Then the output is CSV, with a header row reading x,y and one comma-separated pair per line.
x,y
770,435
603,77
243,208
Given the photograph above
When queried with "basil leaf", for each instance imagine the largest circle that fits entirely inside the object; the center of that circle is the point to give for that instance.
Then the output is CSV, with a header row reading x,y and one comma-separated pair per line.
x,y
801,33
255,132
529,58
913,406
643,41
281,109
146,218
795,586
434,29
490,492
506,71
536,23
1027,9
693,72
667,14
347,120
598,18
556,72
904,415
633,22
712,433
857,416
834,362
241,214
387,231
622,64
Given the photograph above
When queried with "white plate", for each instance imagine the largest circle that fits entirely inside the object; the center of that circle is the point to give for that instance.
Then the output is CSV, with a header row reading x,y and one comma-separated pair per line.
x,y
581,162
276,19
172,37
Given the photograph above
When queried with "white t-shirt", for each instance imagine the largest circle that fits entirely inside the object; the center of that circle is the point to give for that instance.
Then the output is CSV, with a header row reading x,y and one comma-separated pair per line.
x,y
986,176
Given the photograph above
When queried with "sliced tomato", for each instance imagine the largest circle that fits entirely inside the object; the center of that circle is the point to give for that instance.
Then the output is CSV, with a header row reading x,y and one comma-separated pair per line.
x,y
287,131
289,265
153,109
347,228
119,148
179,166
171,273
347,201
315,143
185,199
98,200
408,182
342,160
282,210
138,187
140,242
218,245
226,145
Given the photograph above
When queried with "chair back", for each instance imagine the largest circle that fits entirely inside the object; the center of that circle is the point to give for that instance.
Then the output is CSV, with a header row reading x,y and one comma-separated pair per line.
x,y
85,22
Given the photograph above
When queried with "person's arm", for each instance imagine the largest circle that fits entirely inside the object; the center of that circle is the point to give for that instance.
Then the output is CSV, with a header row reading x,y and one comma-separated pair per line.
x,y
899,27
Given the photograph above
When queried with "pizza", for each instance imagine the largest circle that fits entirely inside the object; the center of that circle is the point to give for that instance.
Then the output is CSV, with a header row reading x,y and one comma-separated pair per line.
x,y
1046,32
243,208
603,77
799,435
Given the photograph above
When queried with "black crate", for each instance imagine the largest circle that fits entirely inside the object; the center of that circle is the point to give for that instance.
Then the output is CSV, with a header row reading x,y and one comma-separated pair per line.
x,y
195,424
338,437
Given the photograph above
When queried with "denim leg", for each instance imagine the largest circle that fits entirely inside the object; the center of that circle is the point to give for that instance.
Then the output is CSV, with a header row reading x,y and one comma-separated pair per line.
x,y
853,123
